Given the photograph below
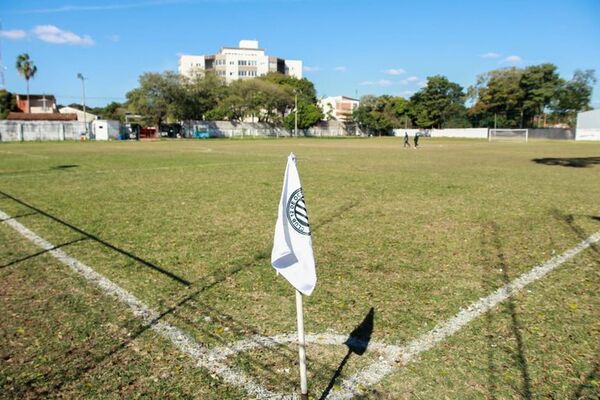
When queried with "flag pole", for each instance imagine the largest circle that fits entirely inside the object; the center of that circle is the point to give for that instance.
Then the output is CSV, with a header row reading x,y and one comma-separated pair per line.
x,y
301,347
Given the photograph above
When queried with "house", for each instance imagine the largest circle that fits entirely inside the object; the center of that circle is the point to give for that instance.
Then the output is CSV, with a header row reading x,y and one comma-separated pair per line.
x,y
40,103
81,116
338,107
243,62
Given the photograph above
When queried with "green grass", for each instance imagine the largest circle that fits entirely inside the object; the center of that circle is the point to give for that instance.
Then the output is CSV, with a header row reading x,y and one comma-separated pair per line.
x,y
415,234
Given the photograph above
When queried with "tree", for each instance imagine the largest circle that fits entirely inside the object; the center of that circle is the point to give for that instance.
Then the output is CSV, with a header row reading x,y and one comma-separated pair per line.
x,y
308,115
573,96
438,103
539,84
382,114
8,103
497,97
158,97
203,92
27,69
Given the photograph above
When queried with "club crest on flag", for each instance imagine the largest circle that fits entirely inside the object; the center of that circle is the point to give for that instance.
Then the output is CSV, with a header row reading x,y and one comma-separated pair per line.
x,y
292,254
296,212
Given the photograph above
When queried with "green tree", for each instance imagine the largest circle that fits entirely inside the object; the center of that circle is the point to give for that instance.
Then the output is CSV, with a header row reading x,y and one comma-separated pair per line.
x,y
27,69
539,85
158,97
203,92
8,103
438,103
497,97
573,96
308,115
379,115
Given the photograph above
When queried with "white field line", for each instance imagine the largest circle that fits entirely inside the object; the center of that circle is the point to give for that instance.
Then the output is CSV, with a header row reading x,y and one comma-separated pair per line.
x,y
180,339
392,356
372,374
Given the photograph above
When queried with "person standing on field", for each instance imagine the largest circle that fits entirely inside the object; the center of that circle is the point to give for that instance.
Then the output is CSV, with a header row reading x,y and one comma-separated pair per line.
x,y
406,142
416,139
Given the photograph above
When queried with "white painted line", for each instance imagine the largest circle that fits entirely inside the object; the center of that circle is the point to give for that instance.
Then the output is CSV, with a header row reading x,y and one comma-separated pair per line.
x,y
392,356
180,339
372,374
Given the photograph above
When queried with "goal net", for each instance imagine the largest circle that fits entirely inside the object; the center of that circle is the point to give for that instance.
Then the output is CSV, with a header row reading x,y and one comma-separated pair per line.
x,y
520,135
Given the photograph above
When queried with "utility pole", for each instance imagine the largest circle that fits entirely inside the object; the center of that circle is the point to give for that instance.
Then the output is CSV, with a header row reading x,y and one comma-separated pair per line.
x,y
296,113
80,76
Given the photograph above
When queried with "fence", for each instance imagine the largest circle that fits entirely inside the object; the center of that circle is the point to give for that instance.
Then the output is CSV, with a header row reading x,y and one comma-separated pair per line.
x,y
231,129
18,131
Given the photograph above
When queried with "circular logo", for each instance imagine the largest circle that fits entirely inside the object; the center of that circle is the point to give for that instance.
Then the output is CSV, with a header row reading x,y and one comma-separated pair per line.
x,y
297,214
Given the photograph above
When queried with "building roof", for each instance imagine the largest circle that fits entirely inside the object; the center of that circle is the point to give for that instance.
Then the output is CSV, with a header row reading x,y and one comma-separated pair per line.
x,y
17,116
37,97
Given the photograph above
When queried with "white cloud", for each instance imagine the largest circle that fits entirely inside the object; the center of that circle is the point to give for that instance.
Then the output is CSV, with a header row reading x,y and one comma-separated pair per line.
x,y
513,60
491,54
55,35
114,38
423,83
381,83
408,80
307,68
341,68
102,7
13,34
395,71
407,93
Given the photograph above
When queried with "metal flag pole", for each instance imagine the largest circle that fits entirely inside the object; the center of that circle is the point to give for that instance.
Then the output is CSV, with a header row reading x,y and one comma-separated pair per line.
x,y
301,347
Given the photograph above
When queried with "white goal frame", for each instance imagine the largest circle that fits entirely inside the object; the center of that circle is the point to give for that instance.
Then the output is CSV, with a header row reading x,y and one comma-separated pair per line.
x,y
508,134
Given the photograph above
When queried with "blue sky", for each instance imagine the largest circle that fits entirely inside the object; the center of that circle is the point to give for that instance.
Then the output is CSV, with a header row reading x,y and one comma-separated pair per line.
x,y
348,47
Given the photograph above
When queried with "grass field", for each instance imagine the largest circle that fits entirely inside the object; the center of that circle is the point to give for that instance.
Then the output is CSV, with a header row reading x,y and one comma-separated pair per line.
x,y
414,235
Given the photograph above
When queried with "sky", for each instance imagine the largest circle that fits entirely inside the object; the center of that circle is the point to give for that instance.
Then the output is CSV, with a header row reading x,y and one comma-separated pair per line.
x,y
352,48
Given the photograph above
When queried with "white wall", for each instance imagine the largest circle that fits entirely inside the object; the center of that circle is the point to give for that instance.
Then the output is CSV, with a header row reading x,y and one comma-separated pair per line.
x,y
294,68
16,131
470,133
588,125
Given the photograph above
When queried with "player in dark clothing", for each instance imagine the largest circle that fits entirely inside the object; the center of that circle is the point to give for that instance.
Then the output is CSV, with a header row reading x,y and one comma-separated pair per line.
x,y
416,139
406,142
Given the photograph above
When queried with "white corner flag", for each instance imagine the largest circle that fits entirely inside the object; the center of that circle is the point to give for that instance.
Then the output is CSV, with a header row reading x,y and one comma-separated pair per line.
x,y
292,254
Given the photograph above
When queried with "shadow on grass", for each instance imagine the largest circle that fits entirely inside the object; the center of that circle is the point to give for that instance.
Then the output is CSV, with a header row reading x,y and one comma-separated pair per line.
x,y
357,343
101,241
39,253
589,383
573,162
569,221
492,239
64,166
18,216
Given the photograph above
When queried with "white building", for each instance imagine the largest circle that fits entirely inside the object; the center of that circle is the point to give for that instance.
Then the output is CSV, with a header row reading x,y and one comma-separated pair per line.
x,y
338,107
588,125
243,62
81,116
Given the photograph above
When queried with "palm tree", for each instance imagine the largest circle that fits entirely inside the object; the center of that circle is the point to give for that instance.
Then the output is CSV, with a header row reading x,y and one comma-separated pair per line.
x,y
27,69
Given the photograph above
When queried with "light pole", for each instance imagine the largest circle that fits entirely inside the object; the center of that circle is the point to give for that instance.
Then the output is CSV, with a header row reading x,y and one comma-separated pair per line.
x,y
80,76
296,113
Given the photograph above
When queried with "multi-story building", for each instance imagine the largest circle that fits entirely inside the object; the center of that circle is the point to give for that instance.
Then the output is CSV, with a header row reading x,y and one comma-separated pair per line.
x,y
338,107
243,62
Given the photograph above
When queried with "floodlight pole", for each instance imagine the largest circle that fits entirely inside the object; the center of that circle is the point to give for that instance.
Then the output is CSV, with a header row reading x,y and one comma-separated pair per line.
x,y
296,113
80,76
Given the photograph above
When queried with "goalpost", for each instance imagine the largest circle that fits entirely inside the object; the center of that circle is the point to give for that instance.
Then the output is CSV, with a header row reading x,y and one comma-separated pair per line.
x,y
509,134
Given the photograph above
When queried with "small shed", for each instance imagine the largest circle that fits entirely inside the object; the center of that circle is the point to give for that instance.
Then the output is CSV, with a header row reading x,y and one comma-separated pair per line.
x,y
106,129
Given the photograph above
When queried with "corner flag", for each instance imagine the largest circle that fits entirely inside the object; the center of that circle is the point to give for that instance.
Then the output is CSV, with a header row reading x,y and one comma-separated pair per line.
x,y
292,254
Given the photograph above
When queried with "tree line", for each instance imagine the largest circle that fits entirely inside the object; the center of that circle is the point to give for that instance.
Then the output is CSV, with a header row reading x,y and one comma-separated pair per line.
x,y
169,96
509,98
